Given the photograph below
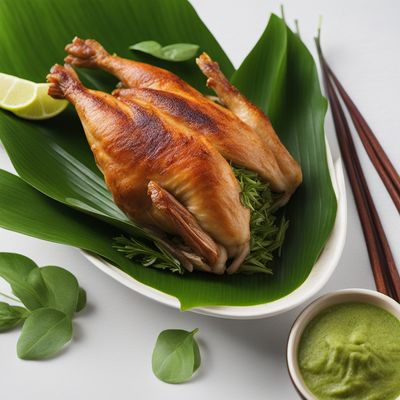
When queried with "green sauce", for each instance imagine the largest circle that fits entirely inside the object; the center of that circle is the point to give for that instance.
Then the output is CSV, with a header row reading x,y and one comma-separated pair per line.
x,y
352,351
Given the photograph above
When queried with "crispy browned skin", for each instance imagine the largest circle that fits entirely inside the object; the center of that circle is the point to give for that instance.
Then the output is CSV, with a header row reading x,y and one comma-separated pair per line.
x,y
260,124
228,134
90,54
241,132
159,174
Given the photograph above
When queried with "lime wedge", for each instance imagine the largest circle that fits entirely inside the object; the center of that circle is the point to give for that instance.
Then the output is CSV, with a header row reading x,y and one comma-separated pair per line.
x,y
15,92
43,106
28,99
6,82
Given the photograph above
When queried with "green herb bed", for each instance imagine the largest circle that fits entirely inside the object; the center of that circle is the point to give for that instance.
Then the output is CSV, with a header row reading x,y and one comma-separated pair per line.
x,y
60,195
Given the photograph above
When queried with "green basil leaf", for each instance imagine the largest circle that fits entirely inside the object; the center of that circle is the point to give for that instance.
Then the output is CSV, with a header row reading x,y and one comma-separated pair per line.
x,y
148,47
37,283
63,289
44,333
11,316
36,287
176,356
82,299
15,269
173,52
180,51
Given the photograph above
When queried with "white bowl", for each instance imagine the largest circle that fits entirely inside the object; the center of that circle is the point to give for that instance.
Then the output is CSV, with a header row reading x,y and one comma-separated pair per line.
x,y
312,310
318,277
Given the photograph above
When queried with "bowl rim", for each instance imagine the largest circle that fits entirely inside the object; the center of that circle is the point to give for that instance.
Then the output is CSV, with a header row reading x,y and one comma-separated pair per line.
x,y
316,307
318,277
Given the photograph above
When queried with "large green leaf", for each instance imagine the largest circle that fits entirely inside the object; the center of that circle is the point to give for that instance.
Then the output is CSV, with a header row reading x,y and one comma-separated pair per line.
x,y
284,83
64,167
53,157
33,34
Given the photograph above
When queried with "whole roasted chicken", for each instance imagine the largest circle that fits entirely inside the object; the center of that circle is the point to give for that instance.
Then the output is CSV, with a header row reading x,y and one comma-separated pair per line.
x,y
163,149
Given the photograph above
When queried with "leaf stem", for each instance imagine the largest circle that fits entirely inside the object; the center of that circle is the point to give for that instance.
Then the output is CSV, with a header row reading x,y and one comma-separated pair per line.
x,y
296,23
283,13
10,297
194,331
318,37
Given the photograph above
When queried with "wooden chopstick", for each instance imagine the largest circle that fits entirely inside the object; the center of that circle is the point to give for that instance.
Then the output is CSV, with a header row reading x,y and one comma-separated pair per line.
x,y
373,250
379,159
384,269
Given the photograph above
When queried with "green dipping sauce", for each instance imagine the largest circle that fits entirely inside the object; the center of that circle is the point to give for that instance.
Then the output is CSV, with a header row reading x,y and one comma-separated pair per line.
x,y
352,351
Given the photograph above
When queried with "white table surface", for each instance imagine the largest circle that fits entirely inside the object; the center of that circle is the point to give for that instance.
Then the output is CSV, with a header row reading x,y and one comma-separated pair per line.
x,y
110,355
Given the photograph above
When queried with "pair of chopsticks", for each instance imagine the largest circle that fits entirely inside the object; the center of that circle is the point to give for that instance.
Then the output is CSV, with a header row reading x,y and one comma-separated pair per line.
x,y
384,268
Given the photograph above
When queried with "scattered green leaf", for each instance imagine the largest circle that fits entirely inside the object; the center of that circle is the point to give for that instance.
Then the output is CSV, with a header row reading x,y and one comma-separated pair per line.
x,y
176,356
37,283
63,289
11,316
36,287
173,52
15,269
45,332
52,293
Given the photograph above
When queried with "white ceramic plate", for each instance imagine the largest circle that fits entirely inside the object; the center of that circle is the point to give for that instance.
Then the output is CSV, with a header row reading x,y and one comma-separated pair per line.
x,y
318,277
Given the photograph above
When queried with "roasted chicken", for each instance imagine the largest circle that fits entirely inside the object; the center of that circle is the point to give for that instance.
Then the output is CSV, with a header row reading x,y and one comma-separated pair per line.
x,y
241,132
161,175
164,149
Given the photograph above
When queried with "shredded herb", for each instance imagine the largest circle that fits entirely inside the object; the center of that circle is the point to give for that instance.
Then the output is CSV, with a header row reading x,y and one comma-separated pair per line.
x,y
149,256
267,232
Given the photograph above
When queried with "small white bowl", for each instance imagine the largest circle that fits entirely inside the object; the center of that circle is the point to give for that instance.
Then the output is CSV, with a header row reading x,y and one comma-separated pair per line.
x,y
312,310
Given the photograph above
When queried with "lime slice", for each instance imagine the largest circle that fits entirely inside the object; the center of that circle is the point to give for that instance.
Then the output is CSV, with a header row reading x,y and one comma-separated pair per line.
x,y
43,106
28,99
16,93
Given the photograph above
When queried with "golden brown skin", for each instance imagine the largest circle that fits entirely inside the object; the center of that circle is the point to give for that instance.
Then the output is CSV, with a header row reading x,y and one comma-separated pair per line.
x,y
159,174
241,132
260,124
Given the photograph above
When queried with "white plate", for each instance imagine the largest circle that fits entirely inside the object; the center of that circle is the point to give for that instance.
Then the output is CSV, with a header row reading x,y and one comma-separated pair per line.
x,y
318,277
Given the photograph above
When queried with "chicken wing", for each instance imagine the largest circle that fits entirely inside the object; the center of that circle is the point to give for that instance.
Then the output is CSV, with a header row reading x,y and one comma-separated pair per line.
x,y
160,175
242,133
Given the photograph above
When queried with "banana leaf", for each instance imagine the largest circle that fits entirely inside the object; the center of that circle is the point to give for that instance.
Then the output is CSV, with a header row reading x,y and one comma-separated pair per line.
x,y
284,83
34,33
59,143
55,162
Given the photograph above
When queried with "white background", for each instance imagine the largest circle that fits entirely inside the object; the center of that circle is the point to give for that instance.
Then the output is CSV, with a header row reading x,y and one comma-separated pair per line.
x,y
111,352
